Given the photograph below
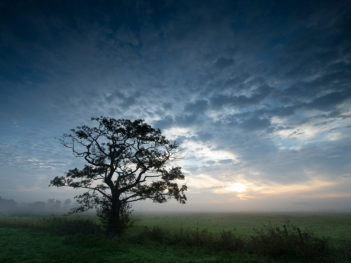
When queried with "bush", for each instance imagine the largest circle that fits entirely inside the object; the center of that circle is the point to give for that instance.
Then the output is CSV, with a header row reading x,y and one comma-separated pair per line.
x,y
228,241
288,240
155,233
344,249
194,238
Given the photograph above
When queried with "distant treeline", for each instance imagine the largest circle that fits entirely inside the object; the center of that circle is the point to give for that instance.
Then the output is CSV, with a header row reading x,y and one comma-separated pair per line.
x,y
9,206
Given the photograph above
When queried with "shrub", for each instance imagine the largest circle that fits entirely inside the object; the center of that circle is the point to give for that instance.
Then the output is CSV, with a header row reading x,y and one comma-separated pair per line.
x,y
275,241
194,238
288,240
228,241
344,249
155,233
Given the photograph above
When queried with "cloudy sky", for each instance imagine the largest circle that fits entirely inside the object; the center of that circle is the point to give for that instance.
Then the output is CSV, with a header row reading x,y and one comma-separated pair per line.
x,y
257,93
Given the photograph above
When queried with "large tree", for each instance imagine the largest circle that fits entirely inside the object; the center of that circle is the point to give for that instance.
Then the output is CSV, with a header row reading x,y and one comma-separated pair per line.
x,y
126,161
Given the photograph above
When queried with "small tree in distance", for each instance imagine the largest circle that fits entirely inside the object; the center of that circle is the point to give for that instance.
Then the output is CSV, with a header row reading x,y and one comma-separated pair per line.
x,y
126,162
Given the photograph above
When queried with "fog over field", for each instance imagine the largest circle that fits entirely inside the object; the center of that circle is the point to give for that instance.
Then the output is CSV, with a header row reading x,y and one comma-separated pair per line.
x,y
256,93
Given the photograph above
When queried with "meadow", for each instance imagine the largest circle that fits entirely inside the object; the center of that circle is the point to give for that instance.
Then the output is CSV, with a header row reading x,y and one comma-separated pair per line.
x,y
197,237
336,226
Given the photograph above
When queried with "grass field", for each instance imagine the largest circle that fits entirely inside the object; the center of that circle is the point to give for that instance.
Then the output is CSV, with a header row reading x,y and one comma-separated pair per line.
x,y
334,226
25,245
39,239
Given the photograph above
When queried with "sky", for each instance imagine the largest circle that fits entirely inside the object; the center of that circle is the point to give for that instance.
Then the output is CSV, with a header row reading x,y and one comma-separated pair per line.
x,y
257,94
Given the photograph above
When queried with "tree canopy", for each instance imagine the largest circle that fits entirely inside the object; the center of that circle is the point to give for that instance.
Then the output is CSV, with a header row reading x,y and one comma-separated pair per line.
x,y
126,161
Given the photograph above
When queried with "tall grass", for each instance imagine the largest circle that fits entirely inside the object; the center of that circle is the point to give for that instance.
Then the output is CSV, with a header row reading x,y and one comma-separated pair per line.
x,y
275,241
288,240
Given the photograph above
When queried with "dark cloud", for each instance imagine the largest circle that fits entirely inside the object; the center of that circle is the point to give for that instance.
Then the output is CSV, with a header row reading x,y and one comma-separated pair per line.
x,y
123,100
198,106
186,120
204,135
330,100
165,122
259,94
255,123
222,63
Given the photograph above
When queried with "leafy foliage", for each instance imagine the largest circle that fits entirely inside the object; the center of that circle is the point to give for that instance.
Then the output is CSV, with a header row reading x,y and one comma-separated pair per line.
x,y
126,162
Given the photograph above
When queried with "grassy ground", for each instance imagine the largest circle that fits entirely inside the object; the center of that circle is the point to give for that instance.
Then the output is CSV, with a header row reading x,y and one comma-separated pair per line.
x,y
36,239
336,226
19,245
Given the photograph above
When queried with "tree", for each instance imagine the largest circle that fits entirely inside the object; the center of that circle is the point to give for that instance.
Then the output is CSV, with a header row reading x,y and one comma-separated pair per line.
x,y
127,161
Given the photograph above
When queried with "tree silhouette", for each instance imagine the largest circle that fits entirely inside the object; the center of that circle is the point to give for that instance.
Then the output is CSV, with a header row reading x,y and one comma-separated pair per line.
x,y
126,162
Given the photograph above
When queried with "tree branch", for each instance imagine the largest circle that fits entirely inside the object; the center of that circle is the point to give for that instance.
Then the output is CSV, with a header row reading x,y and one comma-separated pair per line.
x,y
96,189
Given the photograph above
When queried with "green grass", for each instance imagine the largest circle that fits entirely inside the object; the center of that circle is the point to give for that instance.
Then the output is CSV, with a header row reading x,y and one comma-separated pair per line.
x,y
63,239
334,226
30,246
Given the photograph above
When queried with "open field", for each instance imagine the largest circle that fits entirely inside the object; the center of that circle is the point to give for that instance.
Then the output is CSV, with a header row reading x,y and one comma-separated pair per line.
x,y
79,239
25,245
336,226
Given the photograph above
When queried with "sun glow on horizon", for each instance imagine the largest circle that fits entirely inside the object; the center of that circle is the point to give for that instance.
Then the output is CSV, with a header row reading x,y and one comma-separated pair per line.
x,y
250,189
237,187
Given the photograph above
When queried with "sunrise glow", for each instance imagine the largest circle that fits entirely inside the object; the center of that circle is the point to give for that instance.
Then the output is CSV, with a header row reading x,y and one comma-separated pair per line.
x,y
237,187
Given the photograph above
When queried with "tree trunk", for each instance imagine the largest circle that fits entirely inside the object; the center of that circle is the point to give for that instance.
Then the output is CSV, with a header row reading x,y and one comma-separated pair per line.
x,y
115,224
